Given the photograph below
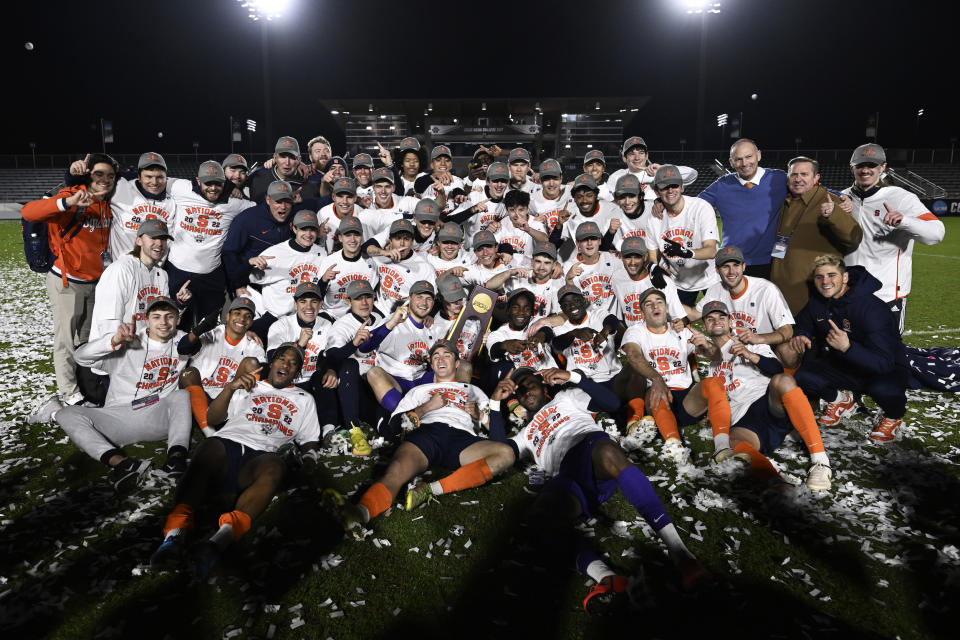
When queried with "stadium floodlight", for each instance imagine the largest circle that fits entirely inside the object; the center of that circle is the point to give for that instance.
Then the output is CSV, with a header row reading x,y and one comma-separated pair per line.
x,y
334,113
722,120
919,112
252,126
264,9
370,107
483,106
701,6
596,107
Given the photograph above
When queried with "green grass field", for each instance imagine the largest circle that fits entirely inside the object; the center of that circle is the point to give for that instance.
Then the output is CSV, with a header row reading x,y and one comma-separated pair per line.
x,y
876,556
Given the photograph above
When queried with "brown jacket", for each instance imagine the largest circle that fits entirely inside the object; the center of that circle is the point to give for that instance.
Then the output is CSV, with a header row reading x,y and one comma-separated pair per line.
x,y
811,235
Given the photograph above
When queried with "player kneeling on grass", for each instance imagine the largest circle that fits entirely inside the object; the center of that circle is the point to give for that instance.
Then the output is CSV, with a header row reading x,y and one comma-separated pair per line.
x,y
587,467
448,413
261,417
660,353
865,355
143,402
765,403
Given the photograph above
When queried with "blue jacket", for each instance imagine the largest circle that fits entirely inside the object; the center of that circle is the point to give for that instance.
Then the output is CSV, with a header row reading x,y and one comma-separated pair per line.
x,y
749,215
875,345
252,231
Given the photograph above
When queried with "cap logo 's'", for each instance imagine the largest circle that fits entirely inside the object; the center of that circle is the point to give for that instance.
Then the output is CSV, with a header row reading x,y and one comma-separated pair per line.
x,y
211,170
287,143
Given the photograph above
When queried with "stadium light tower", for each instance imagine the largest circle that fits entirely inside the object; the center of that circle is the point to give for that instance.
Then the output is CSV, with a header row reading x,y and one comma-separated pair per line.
x,y
703,8
265,11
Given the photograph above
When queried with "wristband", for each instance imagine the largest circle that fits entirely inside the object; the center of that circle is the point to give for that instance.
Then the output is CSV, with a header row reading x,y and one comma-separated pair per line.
x,y
575,377
494,405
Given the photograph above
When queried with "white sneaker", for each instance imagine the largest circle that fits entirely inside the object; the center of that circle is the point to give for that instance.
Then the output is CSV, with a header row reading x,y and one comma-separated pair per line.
x,y
46,411
643,430
818,477
674,450
75,398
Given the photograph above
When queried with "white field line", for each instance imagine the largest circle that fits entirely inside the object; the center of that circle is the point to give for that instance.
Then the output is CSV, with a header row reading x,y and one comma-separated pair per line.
x,y
930,332
937,255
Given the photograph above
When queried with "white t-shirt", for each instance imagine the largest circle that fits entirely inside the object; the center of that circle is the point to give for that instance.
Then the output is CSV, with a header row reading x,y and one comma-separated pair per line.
x,y
328,216
539,358
129,208
556,428
545,293
627,292
463,259
478,221
266,418
335,302
666,352
743,381
123,292
596,280
687,174
200,229
521,241
404,352
142,368
548,210
760,307
598,366
285,271
218,359
693,226
454,413
396,278
343,331
287,329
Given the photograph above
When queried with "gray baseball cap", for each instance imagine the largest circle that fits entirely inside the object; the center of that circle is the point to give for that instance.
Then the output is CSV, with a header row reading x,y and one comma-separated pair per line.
x,y
235,160
584,181
358,288
568,289
151,159
450,232
627,183
715,305
307,289
650,291
161,301
588,229
518,155
666,175
211,171
443,343
497,171
242,302
409,144
306,219
550,168
484,238
350,224
402,226
522,292
451,288
422,286
728,254
345,185
545,248
362,160
280,190
633,246
632,141
381,174
594,155
154,228
870,152
440,150
426,209
286,144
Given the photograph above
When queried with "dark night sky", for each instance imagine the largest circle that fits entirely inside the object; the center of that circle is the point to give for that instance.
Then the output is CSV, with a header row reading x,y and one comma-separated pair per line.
x,y
182,67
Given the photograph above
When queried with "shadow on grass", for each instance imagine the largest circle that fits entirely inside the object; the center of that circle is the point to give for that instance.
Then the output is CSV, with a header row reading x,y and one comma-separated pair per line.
x,y
930,487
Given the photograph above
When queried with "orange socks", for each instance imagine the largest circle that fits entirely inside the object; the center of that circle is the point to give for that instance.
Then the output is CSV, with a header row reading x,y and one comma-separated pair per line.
x,y
636,409
238,520
666,421
376,499
801,415
760,467
180,518
718,407
198,404
468,476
